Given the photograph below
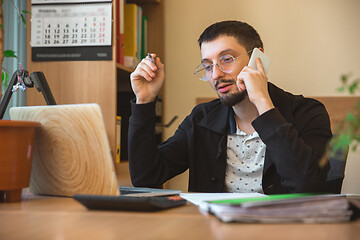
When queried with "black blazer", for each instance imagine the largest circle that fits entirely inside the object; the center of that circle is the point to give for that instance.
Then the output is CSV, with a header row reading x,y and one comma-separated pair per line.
x,y
296,133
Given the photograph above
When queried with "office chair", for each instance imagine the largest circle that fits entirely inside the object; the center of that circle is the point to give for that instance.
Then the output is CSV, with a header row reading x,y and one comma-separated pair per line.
x,y
336,174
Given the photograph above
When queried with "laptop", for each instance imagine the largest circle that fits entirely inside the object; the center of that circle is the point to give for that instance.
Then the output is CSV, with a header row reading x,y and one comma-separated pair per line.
x,y
72,154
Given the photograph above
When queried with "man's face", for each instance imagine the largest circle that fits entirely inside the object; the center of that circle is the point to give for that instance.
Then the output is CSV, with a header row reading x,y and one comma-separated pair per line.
x,y
223,83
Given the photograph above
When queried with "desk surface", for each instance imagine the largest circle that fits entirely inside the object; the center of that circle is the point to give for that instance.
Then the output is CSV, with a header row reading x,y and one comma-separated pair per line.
x,y
42,217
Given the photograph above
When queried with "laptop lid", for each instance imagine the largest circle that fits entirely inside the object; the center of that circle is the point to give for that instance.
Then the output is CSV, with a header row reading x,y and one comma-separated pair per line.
x,y
71,151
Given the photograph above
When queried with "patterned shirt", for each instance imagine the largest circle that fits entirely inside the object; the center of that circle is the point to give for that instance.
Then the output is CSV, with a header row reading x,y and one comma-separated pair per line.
x,y
245,162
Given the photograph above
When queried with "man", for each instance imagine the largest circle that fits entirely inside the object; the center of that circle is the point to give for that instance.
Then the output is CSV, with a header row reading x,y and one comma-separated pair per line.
x,y
254,138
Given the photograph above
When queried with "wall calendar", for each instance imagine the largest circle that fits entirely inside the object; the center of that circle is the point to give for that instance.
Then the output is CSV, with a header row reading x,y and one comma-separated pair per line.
x,y
71,30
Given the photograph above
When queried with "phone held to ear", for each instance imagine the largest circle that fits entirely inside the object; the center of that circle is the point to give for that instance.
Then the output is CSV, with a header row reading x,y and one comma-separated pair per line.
x,y
265,60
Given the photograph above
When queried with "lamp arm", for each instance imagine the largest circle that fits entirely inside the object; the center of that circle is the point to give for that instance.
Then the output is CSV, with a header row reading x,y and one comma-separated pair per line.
x,y
36,78
6,98
39,80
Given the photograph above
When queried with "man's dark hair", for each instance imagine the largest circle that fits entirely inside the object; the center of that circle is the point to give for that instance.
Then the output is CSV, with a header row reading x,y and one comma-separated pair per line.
x,y
243,32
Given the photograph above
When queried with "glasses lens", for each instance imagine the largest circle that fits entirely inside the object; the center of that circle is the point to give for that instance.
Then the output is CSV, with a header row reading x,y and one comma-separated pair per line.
x,y
227,63
204,71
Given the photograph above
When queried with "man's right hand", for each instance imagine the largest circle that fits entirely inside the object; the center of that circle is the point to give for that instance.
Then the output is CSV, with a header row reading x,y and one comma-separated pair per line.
x,y
147,79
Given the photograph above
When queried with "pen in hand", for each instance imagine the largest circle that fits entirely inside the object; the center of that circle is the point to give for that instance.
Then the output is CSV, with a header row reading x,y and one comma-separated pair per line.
x,y
151,58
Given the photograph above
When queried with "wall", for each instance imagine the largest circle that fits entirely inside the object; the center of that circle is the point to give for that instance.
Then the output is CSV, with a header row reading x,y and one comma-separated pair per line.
x,y
311,43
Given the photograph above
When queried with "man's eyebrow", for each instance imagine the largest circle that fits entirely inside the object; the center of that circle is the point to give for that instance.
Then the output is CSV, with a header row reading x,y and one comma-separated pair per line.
x,y
205,60
226,51
229,50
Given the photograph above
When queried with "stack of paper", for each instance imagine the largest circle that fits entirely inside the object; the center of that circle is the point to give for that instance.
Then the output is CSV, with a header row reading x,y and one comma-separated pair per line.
x,y
283,208
202,199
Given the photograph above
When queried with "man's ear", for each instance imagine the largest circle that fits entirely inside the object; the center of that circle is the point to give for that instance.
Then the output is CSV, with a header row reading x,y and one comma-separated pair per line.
x,y
261,49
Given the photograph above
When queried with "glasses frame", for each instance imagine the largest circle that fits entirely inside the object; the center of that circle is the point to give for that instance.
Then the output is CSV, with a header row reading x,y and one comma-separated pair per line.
x,y
217,64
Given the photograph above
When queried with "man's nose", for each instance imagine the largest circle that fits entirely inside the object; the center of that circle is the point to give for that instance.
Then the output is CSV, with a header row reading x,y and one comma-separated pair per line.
x,y
217,73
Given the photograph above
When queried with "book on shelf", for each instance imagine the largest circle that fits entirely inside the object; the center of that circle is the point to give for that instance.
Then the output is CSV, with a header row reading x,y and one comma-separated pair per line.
x,y
284,208
135,35
118,138
144,32
139,32
130,35
120,32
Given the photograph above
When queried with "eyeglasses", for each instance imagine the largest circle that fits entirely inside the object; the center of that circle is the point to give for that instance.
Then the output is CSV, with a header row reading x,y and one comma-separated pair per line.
x,y
226,63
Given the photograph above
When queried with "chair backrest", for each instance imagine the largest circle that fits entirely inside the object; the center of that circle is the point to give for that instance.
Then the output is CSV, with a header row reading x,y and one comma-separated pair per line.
x,y
337,107
336,174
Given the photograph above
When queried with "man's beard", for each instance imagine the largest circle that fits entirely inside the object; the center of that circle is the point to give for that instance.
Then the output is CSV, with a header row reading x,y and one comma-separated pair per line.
x,y
232,99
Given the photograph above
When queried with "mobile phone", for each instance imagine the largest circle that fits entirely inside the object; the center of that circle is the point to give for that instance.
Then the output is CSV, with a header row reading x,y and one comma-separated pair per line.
x,y
265,60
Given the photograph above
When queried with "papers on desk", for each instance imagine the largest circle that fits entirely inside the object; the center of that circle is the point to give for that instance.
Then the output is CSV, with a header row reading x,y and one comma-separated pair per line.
x,y
306,208
282,208
201,199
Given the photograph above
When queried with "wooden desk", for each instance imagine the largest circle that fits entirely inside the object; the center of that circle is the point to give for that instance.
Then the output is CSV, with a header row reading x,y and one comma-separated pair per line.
x,y
41,217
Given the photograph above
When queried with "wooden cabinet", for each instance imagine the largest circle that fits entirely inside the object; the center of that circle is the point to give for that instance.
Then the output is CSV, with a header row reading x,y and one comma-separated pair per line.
x,y
101,82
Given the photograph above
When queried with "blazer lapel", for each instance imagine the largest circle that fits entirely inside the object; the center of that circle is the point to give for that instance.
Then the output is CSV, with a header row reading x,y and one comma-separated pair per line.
x,y
217,120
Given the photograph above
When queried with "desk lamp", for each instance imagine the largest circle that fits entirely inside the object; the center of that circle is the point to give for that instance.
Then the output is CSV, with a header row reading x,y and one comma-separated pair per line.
x,y
21,80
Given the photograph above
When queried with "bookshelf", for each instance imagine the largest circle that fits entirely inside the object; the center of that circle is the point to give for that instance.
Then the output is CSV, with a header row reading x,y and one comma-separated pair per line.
x,y
104,82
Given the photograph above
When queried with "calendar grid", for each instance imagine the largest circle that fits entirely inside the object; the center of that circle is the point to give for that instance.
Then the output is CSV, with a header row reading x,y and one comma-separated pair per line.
x,y
70,25
78,25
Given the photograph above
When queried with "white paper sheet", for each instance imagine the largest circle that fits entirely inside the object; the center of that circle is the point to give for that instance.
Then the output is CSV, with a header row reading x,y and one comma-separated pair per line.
x,y
199,198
